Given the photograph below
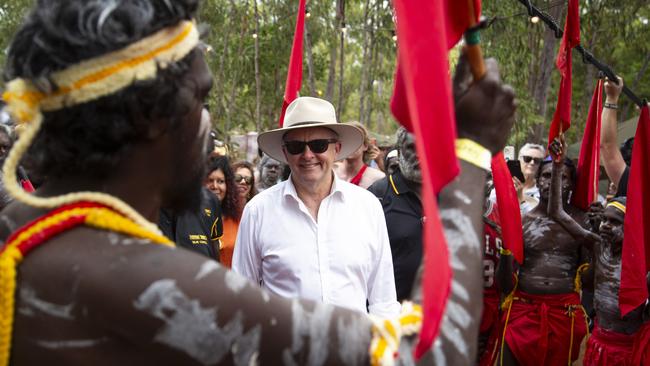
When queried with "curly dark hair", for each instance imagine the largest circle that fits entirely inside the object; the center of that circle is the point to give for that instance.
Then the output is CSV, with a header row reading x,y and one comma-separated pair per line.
x,y
91,138
249,166
229,205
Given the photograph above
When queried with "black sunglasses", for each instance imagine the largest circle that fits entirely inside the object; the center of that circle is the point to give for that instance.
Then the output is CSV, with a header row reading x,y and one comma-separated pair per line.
x,y
247,180
318,146
528,159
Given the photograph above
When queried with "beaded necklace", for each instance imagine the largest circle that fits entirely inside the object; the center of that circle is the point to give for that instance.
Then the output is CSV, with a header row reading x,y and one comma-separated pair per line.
x,y
37,233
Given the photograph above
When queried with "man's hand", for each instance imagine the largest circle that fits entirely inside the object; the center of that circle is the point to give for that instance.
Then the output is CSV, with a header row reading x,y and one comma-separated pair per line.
x,y
613,90
557,149
595,215
485,109
373,152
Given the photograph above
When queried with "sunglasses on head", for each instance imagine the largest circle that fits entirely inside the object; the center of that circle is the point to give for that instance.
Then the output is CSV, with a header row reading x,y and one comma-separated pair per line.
x,y
318,146
247,180
527,159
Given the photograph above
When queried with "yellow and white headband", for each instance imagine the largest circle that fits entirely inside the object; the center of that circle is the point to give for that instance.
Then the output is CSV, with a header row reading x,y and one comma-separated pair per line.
x,y
618,205
103,75
86,81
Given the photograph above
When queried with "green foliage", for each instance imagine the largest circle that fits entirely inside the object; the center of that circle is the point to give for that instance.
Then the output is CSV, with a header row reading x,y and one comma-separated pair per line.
x,y
614,30
12,13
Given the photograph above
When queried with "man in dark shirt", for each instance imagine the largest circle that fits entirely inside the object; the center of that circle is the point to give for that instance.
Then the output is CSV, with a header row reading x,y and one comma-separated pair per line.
x,y
399,194
199,231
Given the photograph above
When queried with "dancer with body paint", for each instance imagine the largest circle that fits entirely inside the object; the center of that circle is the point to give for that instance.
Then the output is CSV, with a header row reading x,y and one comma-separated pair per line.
x,y
111,94
612,342
543,321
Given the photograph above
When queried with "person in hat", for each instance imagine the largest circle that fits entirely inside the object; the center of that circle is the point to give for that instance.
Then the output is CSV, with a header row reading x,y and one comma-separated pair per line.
x,y
111,95
316,236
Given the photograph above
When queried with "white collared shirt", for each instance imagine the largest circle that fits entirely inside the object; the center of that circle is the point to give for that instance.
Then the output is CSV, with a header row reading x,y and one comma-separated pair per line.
x,y
343,259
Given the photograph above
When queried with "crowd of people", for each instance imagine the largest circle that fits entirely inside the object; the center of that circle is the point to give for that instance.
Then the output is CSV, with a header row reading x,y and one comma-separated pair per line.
x,y
312,255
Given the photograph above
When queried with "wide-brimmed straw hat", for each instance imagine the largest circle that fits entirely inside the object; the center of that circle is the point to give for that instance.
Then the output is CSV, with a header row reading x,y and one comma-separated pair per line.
x,y
307,112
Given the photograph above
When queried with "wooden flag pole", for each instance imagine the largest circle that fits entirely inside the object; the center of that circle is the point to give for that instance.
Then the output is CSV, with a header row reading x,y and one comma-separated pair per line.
x,y
473,44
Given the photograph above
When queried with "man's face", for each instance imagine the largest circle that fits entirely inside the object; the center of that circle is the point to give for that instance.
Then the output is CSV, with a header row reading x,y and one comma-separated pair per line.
x,y
271,172
530,160
310,169
611,228
409,163
544,182
190,141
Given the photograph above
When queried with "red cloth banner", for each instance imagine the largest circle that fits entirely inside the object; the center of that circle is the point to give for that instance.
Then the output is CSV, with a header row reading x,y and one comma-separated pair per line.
x,y
422,102
636,242
508,206
294,73
589,161
570,38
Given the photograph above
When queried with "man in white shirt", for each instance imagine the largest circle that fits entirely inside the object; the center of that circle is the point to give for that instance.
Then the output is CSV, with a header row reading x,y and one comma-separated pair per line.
x,y
316,236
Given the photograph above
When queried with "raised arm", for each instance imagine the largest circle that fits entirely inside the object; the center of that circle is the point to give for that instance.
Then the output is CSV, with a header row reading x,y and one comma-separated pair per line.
x,y
555,205
609,150
484,115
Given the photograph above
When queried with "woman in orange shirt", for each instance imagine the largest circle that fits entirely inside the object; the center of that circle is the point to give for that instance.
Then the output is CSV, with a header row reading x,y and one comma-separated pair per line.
x,y
221,181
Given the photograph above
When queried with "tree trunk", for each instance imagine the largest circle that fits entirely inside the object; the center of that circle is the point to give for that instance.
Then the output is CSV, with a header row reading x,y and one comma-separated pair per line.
x,y
329,92
546,67
258,81
310,62
220,76
341,9
229,101
365,64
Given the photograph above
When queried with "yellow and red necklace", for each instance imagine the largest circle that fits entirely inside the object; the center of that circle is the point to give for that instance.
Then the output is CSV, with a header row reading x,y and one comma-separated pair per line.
x,y
37,233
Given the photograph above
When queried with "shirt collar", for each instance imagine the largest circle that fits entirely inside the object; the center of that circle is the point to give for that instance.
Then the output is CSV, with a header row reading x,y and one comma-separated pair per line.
x,y
338,189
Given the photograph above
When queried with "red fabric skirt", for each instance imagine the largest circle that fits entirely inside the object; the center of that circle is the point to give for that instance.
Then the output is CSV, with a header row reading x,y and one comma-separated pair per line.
x,y
609,348
641,349
545,329
490,325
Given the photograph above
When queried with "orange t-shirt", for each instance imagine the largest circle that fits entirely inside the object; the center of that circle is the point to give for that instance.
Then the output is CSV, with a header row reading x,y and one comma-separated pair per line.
x,y
230,227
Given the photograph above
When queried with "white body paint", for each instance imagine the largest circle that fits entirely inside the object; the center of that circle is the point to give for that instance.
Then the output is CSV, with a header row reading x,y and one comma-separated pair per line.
x,y
193,329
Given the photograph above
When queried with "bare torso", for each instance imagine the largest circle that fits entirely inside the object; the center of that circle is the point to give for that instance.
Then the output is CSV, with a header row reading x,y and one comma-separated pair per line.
x,y
552,256
607,283
95,297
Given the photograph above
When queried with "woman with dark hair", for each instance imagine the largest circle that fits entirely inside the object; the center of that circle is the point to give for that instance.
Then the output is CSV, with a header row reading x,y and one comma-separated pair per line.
x,y
220,181
233,190
245,180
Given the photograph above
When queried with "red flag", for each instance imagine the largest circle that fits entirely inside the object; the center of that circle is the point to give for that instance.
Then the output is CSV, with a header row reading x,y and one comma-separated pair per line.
x,y
570,39
508,206
457,22
294,73
589,160
636,242
422,102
